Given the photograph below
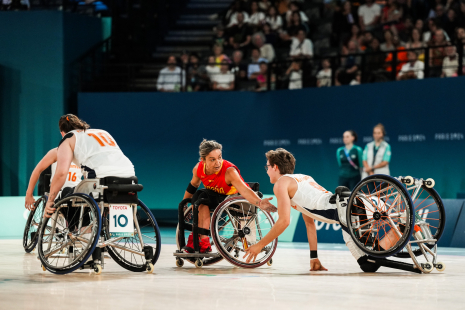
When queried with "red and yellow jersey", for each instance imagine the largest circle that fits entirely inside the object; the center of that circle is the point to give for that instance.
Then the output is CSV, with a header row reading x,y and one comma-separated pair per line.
x,y
217,182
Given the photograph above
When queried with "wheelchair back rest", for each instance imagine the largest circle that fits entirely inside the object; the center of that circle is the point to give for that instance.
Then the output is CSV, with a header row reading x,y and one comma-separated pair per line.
x,y
121,190
44,181
254,186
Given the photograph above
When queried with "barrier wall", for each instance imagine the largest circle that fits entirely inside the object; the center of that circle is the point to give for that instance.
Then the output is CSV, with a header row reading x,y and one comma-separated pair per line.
x,y
160,132
37,48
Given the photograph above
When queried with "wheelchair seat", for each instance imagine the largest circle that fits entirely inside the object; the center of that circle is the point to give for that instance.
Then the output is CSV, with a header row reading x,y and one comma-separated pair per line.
x,y
121,190
342,191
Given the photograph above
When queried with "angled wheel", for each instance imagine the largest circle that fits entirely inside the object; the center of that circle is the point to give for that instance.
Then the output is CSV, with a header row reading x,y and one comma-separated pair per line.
x,y
68,238
31,230
380,216
127,250
428,208
188,220
236,225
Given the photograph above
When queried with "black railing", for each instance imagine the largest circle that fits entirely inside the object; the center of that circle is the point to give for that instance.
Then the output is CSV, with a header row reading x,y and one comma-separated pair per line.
x,y
355,68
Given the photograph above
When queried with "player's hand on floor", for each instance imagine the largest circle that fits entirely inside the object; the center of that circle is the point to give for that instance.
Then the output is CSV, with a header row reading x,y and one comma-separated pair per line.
x,y
252,253
315,265
266,205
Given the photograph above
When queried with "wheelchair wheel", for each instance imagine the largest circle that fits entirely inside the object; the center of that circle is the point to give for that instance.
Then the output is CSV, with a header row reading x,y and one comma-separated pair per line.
x,y
68,238
380,216
429,208
31,230
125,249
236,225
188,219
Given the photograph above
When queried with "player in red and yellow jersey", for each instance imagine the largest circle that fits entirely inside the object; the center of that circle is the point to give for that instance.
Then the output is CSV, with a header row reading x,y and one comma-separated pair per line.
x,y
221,179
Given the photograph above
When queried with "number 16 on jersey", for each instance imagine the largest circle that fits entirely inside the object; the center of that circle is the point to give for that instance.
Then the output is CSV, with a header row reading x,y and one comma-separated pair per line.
x,y
121,220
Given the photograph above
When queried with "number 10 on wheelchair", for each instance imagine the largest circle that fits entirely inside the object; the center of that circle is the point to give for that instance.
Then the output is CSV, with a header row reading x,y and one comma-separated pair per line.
x,y
102,215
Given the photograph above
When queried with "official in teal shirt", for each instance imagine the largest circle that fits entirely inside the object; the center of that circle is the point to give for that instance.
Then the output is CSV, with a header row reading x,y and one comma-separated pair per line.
x,y
349,158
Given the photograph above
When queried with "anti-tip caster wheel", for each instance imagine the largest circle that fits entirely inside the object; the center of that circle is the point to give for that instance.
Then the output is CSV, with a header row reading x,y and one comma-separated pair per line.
x,y
179,262
440,266
97,269
43,267
429,183
198,263
427,267
270,262
408,180
150,268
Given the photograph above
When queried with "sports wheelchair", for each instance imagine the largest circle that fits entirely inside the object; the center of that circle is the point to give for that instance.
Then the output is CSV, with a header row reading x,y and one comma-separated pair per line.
x,y
401,217
101,215
235,225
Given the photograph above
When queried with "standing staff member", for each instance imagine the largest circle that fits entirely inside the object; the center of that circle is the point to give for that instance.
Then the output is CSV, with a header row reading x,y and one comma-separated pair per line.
x,y
349,158
377,154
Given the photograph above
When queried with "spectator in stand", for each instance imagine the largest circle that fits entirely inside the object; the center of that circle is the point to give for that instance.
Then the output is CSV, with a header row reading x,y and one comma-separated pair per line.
x,y
355,34
197,75
220,37
212,68
374,60
388,44
262,78
266,49
224,80
270,36
171,78
350,160
450,23
357,79
413,69
265,5
437,53
254,67
350,64
239,34
419,25
232,15
294,74
323,77
238,67
460,37
343,20
257,18
301,47
184,60
219,55
365,40
450,64
415,42
294,28
294,8
369,15
404,34
377,154
401,56
391,16
275,21
428,35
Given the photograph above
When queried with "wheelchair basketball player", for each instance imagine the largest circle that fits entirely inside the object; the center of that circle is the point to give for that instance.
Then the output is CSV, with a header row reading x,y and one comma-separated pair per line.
x,y
302,193
73,178
221,179
94,150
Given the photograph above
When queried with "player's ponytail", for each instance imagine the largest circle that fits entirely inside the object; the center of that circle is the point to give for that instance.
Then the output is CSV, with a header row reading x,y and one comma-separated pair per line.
x,y
70,122
207,146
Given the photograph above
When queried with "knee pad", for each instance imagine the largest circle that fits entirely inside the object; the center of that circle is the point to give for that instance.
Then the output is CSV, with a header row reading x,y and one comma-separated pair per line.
x,y
367,266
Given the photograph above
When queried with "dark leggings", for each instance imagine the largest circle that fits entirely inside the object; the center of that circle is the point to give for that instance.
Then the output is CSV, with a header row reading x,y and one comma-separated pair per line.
x,y
350,183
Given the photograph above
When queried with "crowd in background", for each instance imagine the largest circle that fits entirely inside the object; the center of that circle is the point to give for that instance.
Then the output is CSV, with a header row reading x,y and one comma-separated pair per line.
x,y
253,34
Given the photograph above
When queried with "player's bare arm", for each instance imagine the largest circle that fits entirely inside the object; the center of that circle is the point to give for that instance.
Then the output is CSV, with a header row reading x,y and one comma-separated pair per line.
x,y
195,182
315,264
233,177
45,162
284,212
65,154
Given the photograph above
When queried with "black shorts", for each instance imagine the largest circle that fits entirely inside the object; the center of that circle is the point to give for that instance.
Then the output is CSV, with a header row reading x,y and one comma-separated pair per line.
x,y
212,198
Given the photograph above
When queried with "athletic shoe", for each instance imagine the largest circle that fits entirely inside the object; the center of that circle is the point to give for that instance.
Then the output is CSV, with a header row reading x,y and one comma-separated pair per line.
x,y
205,246
189,248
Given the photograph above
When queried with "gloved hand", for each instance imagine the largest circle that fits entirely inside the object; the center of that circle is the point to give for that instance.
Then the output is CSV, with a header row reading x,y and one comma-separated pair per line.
x,y
367,266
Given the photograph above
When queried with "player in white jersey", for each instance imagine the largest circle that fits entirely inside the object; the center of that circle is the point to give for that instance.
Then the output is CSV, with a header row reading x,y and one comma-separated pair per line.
x,y
94,150
72,179
302,193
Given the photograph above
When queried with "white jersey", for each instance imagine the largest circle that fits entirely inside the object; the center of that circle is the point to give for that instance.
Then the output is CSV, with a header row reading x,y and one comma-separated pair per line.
x,y
312,199
74,175
96,150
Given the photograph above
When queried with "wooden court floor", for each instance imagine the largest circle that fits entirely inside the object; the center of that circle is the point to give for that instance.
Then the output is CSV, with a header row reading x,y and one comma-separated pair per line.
x,y
288,284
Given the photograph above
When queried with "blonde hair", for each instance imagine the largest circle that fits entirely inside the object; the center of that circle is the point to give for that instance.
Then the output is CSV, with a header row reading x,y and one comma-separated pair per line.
x,y
381,126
